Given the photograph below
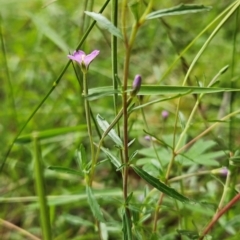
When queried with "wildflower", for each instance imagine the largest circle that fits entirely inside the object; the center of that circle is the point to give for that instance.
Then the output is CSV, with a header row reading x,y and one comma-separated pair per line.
x,y
223,171
165,114
83,59
149,138
136,85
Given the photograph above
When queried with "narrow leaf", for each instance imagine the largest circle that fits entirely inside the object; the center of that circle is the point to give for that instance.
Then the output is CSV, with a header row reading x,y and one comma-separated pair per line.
x,y
95,208
81,157
112,133
50,133
191,234
48,31
127,227
112,158
178,10
65,170
105,23
161,90
159,185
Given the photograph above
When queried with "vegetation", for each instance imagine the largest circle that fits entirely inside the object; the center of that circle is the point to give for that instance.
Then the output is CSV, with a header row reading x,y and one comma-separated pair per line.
x,y
119,120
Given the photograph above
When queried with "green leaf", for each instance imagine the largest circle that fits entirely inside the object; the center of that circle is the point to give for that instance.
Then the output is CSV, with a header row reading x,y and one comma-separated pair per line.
x,y
50,133
159,185
191,234
81,157
178,10
127,227
201,152
49,32
95,208
161,90
65,170
135,8
105,23
76,220
157,90
112,158
112,133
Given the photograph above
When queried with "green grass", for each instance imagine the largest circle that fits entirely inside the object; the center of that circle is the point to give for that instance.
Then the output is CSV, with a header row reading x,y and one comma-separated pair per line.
x,y
64,178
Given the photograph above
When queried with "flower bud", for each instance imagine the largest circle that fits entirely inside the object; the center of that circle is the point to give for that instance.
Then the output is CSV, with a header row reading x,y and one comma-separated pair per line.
x,y
136,85
165,114
223,171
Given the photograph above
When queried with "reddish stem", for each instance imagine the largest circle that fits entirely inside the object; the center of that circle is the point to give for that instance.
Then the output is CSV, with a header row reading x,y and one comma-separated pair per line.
x,y
218,215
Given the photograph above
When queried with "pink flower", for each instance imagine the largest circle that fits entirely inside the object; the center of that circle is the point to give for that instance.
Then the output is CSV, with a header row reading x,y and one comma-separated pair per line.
x,y
224,171
136,85
165,114
83,59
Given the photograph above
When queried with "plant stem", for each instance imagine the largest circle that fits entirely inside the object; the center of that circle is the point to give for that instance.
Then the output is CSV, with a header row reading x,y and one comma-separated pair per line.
x,y
189,175
206,131
89,127
111,126
114,56
20,230
225,190
218,215
40,188
233,85
8,76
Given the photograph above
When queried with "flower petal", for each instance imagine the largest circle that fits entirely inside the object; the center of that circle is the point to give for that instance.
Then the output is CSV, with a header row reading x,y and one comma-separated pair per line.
x,y
77,56
88,58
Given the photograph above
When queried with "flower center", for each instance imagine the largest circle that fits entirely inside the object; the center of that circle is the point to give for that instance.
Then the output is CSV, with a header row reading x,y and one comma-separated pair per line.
x,y
83,56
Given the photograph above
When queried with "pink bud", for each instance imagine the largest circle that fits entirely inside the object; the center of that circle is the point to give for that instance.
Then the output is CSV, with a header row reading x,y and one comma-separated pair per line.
x,y
136,85
165,114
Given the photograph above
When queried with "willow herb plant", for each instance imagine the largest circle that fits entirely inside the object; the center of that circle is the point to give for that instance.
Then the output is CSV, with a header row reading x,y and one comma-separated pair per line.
x,y
159,159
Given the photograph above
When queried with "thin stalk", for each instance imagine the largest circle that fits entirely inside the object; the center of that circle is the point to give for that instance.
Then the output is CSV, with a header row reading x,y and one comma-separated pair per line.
x,y
159,203
9,79
124,25
155,219
124,102
231,124
225,190
206,131
125,115
114,58
21,231
91,113
83,23
146,12
175,179
55,83
195,39
152,142
114,46
111,126
218,215
89,126
40,189
188,122
88,6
